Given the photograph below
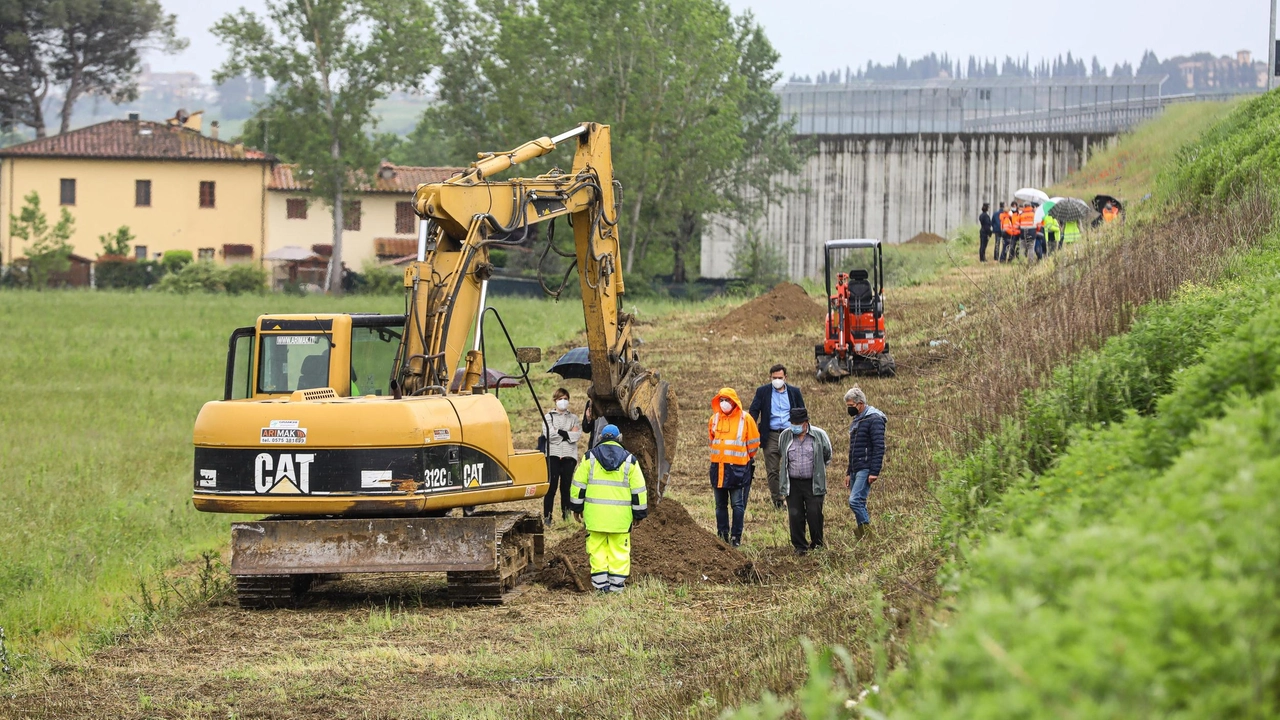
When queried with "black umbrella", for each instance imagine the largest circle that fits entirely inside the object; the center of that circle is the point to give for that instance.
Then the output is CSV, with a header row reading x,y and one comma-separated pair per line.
x,y
497,379
573,365
1100,201
1070,209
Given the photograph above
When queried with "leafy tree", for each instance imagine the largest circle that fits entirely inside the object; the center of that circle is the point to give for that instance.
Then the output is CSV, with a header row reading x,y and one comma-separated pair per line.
x,y
100,42
48,251
25,78
117,243
757,262
331,60
683,83
83,46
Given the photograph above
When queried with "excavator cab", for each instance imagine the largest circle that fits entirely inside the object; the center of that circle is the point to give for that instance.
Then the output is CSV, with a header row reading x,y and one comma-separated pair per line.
x,y
854,341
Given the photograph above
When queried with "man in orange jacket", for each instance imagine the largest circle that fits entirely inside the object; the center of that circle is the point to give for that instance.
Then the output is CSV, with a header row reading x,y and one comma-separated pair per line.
x,y
1027,226
735,439
1008,232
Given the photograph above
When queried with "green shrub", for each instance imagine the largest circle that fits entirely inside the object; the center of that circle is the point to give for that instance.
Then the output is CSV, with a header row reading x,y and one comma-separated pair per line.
x,y
175,260
119,273
245,278
378,279
196,277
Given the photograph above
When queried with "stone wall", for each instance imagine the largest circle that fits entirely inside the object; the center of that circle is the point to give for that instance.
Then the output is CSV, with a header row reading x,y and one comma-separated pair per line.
x,y
892,187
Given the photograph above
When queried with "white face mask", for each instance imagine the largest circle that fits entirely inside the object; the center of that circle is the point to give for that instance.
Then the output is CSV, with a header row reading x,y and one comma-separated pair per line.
x,y
562,404
726,407
779,383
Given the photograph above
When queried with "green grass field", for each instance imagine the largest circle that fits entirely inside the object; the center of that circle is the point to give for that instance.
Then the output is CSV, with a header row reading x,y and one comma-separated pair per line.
x,y
95,439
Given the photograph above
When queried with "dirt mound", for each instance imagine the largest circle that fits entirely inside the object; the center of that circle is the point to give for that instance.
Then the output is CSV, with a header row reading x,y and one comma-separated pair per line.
x,y
668,544
927,238
785,308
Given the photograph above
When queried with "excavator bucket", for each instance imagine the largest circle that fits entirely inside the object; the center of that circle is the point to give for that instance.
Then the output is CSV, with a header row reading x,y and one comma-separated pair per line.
x,y
649,422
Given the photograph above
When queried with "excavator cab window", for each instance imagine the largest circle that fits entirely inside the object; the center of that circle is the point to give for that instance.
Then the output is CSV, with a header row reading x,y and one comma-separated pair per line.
x,y
373,357
290,362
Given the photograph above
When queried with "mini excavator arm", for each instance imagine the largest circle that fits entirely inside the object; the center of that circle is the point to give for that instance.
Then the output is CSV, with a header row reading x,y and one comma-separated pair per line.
x,y
466,215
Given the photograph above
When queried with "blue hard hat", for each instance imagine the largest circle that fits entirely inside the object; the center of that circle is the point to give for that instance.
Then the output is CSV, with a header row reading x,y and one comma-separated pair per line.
x,y
610,432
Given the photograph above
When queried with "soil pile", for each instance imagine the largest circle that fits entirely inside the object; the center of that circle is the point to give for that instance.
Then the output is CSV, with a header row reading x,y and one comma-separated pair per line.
x,y
668,544
785,308
927,238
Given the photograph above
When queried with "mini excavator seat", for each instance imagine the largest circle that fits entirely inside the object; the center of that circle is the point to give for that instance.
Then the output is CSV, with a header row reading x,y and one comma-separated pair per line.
x,y
861,295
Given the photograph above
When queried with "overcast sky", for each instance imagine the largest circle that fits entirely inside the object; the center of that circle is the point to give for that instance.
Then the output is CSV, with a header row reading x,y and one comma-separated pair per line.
x,y
814,35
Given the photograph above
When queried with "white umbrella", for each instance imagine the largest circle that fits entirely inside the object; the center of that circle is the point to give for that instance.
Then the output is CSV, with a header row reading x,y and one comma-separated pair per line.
x,y
289,253
1031,195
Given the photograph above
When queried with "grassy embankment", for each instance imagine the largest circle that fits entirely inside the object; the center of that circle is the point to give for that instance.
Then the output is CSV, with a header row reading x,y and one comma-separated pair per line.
x,y
1114,542
1128,170
95,441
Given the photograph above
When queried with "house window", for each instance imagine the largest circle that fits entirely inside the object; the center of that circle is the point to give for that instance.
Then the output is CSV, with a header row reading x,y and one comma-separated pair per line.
x,y
351,215
206,194
404,218
68,191
295,209
140,252
205,254
142,193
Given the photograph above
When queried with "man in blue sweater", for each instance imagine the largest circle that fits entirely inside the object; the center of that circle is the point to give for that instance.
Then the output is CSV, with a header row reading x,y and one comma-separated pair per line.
x,y
866,454
771,409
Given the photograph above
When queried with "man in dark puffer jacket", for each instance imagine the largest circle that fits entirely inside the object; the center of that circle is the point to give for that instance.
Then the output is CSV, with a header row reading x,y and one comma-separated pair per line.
x,y
866,454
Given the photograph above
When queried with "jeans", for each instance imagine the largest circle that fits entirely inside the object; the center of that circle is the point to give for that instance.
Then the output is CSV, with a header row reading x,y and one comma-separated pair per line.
x,y
559,476
772,457
803,507
858,496
724,498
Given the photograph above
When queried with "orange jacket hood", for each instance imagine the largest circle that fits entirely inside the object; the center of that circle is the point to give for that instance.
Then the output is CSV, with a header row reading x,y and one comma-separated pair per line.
x,y
729,394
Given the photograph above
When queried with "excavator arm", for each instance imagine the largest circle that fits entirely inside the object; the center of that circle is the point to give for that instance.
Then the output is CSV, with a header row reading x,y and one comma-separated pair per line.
x,y
446,287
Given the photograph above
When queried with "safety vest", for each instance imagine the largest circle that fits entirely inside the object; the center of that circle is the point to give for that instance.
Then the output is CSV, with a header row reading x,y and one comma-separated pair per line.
x,y
1027,218
610,495
1051,226
1109,214
736,449
1006,222
1070,232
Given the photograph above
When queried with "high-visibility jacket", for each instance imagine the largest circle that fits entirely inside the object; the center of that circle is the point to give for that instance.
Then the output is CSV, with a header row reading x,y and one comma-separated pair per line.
x,y
1027,217
1070,232
609,489
1006,223
735,439
1051,227
1109,214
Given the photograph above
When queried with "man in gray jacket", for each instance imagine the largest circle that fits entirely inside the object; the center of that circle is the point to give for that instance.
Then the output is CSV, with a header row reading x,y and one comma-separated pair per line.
x,y
804,451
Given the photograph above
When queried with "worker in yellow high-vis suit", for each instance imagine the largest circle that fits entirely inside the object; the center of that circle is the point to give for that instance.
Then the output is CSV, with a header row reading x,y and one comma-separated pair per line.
x,y
608,497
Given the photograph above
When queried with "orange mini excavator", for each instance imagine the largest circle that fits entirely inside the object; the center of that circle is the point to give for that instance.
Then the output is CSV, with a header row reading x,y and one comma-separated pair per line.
x,y
855,342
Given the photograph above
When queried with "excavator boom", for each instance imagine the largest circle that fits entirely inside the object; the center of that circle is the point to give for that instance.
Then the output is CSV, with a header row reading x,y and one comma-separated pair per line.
x,y
465,216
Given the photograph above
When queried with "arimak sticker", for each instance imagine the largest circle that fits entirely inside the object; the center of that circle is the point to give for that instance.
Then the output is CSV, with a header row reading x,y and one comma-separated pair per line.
x,y
284,423
284,436
441,434
530,491
297,339
208,478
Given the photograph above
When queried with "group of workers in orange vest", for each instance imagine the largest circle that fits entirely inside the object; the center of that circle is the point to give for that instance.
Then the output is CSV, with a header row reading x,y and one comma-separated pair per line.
x,y
1018,226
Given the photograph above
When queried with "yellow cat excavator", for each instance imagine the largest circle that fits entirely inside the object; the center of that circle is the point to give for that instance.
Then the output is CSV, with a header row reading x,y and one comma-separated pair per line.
x,y
359,434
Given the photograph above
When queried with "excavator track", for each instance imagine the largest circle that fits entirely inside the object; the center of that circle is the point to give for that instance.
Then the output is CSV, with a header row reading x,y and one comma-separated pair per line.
x,y
261,592
275,561
520,546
